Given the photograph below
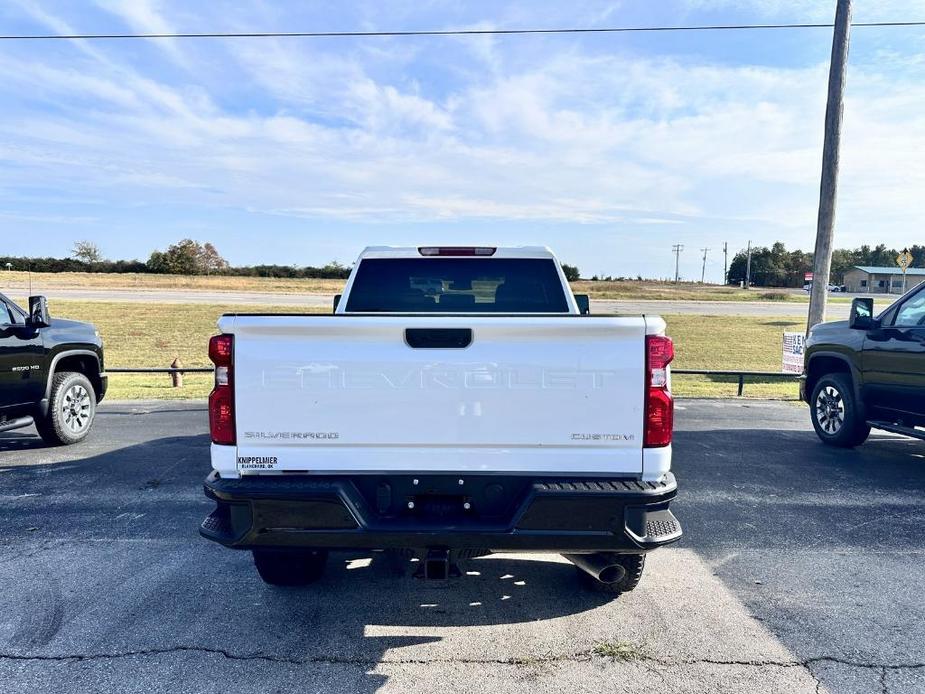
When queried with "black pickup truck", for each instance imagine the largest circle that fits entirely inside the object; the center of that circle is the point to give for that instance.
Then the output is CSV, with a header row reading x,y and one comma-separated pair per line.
x,y
51,372
868,372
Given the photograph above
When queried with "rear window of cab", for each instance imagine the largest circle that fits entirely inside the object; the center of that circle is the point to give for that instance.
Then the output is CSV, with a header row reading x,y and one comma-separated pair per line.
x,y
457,285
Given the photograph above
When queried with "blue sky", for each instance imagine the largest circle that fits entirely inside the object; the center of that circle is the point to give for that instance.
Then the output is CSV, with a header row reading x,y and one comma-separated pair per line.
x,y
607,148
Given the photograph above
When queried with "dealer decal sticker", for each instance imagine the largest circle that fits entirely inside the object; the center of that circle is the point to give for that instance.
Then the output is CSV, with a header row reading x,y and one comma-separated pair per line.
x,y
257,462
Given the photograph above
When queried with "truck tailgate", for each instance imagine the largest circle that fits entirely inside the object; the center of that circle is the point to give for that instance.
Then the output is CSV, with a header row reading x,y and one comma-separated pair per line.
x,y
323,394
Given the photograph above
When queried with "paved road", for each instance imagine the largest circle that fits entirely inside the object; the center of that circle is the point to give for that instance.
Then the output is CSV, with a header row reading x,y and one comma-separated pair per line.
x,y
837,311
800,566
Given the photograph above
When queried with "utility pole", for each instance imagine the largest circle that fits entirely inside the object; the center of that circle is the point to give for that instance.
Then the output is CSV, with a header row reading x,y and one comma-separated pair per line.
x,y
725,263
703,270
828,186
676,249
748,267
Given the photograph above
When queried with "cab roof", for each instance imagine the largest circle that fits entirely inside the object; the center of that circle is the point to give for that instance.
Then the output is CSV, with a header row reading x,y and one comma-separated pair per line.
x,y
415,251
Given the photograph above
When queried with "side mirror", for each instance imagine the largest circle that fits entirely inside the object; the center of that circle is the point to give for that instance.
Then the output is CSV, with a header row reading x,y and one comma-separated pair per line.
x,y
862,314
38,312
584,304
336,301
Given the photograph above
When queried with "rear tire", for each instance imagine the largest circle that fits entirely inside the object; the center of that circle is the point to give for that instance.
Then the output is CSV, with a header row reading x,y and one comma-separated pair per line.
x,y
836,413
285,567
71,410
633,564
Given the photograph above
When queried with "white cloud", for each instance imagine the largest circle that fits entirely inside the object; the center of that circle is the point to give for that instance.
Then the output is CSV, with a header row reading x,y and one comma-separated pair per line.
x,y
144,17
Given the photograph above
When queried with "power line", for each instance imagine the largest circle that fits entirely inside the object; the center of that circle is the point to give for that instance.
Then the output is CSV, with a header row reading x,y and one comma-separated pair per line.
x,y
442,32
676,249
725,262
703,270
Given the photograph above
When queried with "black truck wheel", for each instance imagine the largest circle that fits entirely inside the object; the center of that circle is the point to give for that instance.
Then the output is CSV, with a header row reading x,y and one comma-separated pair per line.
x,y
290,567
633,565
836,414
71,409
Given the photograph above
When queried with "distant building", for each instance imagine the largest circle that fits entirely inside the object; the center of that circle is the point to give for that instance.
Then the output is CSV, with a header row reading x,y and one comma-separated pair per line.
x,y
881,280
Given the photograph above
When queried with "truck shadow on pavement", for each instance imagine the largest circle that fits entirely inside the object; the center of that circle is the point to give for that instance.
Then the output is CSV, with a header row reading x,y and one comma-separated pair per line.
x,y
17,441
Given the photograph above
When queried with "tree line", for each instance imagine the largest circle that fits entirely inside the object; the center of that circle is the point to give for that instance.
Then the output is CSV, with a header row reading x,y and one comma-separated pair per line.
x,y
186,257
778,267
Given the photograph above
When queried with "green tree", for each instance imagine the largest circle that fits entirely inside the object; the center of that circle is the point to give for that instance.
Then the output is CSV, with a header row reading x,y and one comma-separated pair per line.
x,y
187,257
572,274
883,256
771,267
918,255
843,260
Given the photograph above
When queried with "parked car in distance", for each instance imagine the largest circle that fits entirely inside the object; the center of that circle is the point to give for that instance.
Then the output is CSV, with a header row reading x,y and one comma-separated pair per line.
x,y
808,287
491,416
868,372
51,372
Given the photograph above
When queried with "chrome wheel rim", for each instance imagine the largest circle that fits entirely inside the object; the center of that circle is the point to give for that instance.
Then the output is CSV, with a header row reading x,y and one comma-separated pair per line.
x,y
830,410
75,408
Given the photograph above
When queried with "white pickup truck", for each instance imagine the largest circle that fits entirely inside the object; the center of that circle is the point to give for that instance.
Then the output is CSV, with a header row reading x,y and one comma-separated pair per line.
x,y
458,402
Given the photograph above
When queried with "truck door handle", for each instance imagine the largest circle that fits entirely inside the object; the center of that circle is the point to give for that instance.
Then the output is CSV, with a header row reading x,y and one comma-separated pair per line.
x,y
438,338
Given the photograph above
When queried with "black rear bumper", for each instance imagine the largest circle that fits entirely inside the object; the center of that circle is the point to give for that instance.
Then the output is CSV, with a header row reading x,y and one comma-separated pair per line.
x,y
477,513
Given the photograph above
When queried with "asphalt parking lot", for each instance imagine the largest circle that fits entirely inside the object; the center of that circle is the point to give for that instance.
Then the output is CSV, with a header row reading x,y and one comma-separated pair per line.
x,y
801,570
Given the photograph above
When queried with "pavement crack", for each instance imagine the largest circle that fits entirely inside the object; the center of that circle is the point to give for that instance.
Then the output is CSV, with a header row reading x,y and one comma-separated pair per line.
x,y
81,657
578,657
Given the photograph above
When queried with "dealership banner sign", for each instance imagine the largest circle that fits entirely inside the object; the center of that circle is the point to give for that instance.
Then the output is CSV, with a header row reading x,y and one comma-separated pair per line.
x,y
793,353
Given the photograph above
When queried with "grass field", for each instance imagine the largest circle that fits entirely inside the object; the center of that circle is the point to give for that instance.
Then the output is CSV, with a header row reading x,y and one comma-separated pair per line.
x,y
730,343
138,335
684,291
18,283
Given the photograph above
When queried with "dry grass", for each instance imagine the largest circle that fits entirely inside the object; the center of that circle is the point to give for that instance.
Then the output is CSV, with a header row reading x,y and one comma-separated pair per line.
x,y
620,650
18,282
139,334
684,291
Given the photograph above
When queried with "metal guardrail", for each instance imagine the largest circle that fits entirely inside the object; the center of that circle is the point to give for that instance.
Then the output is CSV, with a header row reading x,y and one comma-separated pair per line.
x,y
740,375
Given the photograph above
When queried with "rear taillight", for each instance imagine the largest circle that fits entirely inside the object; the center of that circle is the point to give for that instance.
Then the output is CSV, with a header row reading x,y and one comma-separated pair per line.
x,y
221,399
659,403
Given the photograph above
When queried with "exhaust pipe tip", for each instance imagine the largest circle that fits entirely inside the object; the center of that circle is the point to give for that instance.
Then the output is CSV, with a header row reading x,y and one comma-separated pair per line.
x,y
600,566
612,574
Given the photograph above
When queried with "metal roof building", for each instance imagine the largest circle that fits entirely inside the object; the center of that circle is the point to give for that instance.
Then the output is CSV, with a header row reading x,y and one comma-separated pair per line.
x,y
881,280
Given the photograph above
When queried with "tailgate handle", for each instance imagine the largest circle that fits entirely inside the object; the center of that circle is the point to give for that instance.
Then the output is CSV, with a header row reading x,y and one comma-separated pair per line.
x,y
438,338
